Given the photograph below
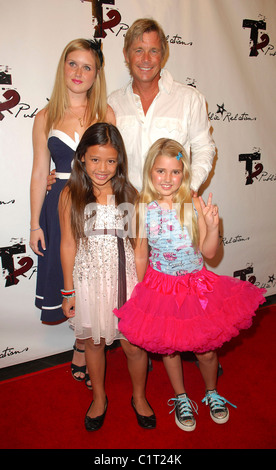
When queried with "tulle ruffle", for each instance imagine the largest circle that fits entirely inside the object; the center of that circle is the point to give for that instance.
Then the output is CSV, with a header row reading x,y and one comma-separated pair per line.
x,y
196,312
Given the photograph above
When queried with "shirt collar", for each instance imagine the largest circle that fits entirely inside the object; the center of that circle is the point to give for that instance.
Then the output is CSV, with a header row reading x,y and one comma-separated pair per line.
x,y
166,81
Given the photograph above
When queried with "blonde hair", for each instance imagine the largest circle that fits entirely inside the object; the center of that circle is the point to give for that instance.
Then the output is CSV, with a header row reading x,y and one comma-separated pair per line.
x,y
182,200
146,25
96,95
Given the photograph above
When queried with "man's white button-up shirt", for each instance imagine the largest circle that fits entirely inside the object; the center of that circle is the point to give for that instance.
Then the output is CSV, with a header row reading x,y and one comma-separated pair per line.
x,y
178,112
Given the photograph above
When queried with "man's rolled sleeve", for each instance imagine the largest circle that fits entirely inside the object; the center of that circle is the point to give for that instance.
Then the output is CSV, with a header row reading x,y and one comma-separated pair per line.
x,y
202,145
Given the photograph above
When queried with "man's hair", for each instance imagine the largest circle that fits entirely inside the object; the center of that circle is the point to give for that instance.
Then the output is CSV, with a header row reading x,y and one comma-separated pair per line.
x,y
146,25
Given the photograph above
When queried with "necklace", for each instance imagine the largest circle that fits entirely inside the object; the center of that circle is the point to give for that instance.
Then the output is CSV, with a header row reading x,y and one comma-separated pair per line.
x,y
80,119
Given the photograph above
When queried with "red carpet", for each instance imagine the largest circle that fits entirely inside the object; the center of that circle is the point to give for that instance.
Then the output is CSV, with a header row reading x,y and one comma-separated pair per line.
x,y
46,410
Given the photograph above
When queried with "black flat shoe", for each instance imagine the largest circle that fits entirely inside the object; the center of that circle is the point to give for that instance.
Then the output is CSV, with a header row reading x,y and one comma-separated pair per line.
x,y
146,422
93,424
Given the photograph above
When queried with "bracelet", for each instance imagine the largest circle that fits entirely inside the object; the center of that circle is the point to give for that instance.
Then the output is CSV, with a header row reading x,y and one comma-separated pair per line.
x,y
67,297
68,294
35,229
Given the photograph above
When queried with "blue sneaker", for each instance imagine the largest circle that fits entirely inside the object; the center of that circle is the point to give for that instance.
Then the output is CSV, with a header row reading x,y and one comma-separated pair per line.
x,y
184,408
218,409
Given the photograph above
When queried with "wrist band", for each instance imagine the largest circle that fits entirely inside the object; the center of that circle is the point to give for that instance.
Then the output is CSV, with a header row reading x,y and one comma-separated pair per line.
x,y
68,294
34,229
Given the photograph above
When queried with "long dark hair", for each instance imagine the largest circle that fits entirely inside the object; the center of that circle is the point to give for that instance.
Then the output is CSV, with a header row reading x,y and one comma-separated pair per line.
x,y
80,184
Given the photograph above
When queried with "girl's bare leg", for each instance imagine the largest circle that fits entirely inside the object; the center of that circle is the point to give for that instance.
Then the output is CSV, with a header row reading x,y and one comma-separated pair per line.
x,y
95,360
137,361
208,366
173,366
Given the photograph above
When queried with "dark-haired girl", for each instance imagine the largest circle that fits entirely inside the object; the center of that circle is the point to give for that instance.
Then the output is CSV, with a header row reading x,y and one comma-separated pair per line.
x,y
98,262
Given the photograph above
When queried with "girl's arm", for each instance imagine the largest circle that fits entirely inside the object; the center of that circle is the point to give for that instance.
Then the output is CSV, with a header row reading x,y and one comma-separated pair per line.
x,y
141,254
141,250
68,249
208,224
41,168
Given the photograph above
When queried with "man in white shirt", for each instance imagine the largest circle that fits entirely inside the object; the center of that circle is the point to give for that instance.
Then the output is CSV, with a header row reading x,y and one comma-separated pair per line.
x,y
152,105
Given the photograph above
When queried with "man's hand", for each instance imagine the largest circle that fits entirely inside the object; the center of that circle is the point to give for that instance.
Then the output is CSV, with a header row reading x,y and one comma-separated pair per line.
x,y
51,179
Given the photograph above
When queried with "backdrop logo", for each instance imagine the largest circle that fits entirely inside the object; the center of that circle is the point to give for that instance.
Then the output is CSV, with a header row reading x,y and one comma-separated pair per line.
x,y
243,273
114,18
259,41
10,272
233,239
249,158
225,115
254,168
247,274
8,351
11,97
11,201
113,23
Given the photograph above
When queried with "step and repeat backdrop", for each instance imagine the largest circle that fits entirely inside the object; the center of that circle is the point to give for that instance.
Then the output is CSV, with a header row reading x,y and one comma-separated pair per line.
x,y
224,48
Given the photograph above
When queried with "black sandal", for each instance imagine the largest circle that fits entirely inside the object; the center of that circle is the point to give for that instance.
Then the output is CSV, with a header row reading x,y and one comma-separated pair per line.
x,y
87,379
75,369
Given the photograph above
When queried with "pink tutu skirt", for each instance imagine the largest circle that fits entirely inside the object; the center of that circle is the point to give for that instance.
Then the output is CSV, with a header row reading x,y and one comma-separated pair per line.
x,y
195,312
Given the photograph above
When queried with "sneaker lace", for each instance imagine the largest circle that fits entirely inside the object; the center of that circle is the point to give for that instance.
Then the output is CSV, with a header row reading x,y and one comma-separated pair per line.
x,y
185,406
215,401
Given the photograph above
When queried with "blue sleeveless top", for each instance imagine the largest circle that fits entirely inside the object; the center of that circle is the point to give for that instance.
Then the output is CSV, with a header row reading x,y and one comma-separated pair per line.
x,y
172,251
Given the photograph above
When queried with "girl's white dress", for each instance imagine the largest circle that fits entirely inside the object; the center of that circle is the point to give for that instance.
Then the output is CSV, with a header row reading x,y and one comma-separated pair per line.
x,y
98,274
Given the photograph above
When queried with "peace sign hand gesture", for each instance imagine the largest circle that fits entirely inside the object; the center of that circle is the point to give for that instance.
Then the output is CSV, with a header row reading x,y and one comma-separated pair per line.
x,y
210,212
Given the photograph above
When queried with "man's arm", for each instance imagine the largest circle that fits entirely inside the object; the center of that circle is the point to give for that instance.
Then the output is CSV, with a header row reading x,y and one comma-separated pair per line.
x,y
203,148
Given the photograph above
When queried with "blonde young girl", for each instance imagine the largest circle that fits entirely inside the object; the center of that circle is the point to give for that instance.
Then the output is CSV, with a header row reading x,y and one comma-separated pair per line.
x,y
78,100
179,305
98,262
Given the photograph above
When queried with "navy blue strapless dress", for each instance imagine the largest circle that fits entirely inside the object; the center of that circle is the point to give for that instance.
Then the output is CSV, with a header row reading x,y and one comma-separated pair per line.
x,y
49,272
